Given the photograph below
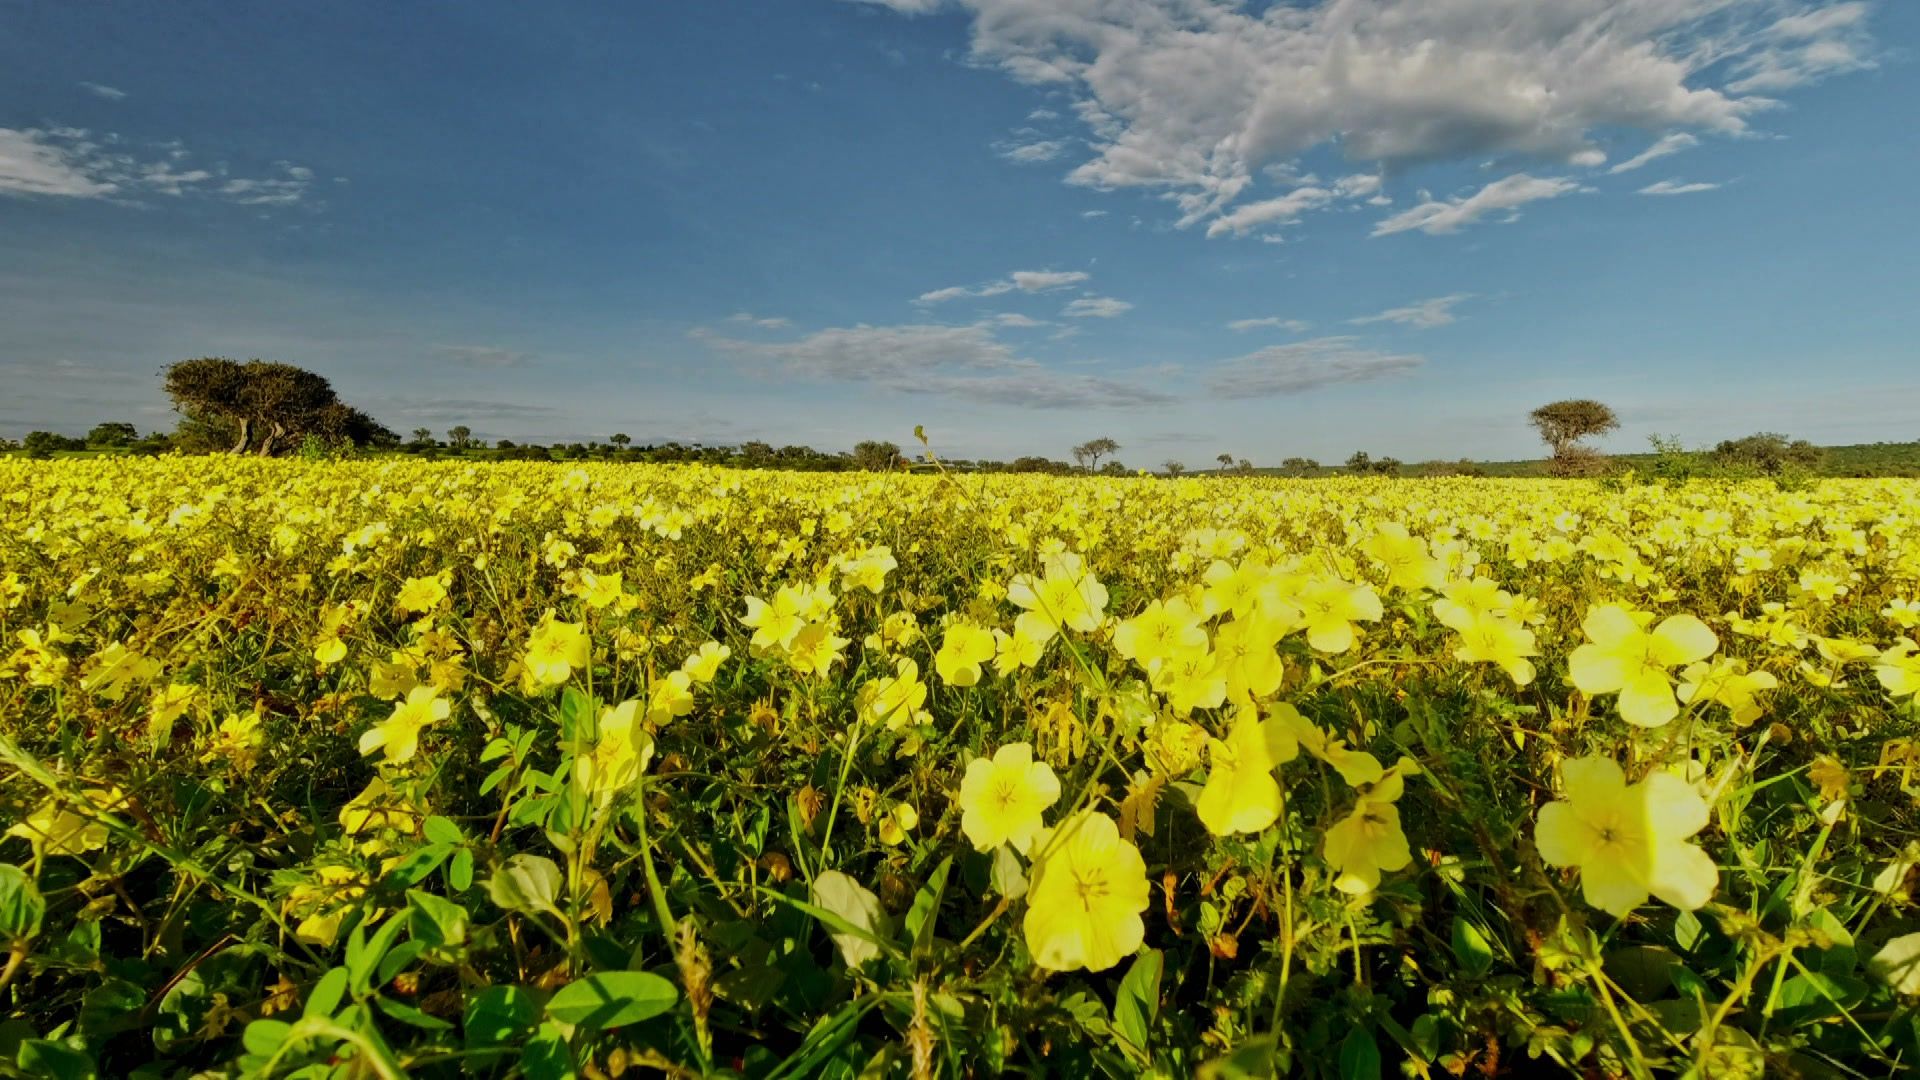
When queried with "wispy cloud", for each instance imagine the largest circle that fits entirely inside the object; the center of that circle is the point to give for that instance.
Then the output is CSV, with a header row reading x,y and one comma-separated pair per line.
x,y
1423,314
965,362
111,93
1196,100
1676,187
1274,322
1031,153
460,409
774,322
1662,147
75,163
1096,307
481,356
1305,366
1437,216
1030,281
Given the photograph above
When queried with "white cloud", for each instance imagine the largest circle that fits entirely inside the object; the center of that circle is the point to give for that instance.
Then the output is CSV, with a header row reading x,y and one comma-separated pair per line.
x,y
1032,153
33,164
1284,210
1093,213
1195,98
1293,326
1096,307
481,356
1305,366
907,7
80,164
763,322
111,93
1436,216
1424,314
1667,144
959,361
1017,321
1676,187
1806,46
1031,281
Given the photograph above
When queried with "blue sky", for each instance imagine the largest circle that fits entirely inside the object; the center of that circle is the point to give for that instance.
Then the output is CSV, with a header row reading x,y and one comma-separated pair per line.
x,y
1195,226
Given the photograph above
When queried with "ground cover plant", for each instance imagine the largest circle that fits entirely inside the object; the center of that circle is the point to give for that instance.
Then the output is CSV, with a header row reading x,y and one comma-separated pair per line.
x,y
390,767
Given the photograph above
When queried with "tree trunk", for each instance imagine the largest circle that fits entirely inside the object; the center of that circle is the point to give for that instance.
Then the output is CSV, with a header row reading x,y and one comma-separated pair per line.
x,y
266,444
246,435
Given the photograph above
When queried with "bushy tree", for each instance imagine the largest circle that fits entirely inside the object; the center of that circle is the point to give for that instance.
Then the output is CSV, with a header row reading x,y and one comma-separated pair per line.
x,y
1173,468
112,434
875,456
264,406
1089,453
45,444
1562,424
1769,453
460,437
1299,466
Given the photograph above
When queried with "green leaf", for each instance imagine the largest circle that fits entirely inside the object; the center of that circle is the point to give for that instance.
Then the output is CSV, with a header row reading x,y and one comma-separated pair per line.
x,y
460,870
1360,1055
1470,948
1009,878
407,1014
495,778
1425,1033
442,831
434,920
1137,1003
546,1057
1251,1060
612,999
499,1014
1688,930
853,915
398,960
926,907
414,869
326,994
263,1037
54,1061
364,961
21,907
527,883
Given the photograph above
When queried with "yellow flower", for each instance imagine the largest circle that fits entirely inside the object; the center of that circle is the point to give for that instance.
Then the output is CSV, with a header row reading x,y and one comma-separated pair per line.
x,y
897,823
705,662
399,735
379,806
1241,794
1899,669
893,699
1164,631
815,649
1089,888
1466,600
867,570
553,651
1369,840
421,594
621,752
1356,767
55,827
1018,649
1405,556
237,743
1194,681
1623,657
1628,840
963,648
1493,639
1001,799
775,624
1729,683
670,695
1067,596
1330,606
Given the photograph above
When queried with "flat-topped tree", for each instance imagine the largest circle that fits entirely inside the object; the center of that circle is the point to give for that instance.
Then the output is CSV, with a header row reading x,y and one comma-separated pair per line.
x,y
276,404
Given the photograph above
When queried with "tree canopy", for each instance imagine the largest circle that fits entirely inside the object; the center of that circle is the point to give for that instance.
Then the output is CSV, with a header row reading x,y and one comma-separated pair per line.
x,y
266,406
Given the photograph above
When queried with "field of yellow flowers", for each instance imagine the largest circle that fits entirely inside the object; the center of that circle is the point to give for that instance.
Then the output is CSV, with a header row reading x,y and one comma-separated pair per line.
x,y
383,768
